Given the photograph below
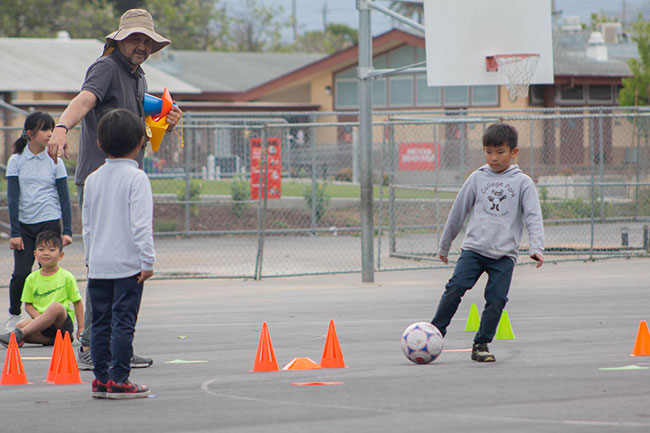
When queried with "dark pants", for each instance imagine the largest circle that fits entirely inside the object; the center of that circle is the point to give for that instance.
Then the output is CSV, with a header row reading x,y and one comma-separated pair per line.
x,y
468,269
115,306
24,260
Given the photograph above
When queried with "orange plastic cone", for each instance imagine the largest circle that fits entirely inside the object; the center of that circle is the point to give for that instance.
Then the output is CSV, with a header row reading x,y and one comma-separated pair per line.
x,y
301,364
67,371
332,356
56,356
642,344
13,372
265,357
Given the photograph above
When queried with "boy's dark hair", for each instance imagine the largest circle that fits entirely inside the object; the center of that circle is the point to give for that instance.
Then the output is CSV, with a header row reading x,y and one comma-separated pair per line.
x,y
119,131
500,133
36,121
49,237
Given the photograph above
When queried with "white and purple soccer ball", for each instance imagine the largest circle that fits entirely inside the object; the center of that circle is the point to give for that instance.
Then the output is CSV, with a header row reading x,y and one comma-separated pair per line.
x,y
422,342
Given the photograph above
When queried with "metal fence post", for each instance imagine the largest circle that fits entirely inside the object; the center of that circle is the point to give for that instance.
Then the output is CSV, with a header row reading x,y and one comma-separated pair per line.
x,y
532,148
593,191
314,185
365,140
601,166
187,183
261,204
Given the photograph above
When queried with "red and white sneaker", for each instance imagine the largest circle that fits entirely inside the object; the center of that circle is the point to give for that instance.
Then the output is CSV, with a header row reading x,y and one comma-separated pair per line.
x,y
126,390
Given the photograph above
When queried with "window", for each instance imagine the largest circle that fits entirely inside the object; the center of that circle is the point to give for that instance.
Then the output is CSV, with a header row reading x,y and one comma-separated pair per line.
x,y
403,56
401,91
456,96
427,96
379,93
601,94
346,93
571,94
537,95
485,95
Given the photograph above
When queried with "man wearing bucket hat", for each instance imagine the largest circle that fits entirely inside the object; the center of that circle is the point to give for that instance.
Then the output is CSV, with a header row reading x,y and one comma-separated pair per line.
x,y
115,80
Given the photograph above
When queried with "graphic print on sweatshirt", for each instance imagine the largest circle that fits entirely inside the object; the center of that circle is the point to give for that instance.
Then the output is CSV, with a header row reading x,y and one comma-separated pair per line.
x,y
495,198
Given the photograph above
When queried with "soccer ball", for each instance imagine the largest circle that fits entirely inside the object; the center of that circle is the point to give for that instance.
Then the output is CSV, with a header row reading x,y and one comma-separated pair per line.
x,y
421,342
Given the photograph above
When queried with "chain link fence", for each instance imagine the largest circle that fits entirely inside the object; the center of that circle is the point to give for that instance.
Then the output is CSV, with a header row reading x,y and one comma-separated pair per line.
x,y
253,195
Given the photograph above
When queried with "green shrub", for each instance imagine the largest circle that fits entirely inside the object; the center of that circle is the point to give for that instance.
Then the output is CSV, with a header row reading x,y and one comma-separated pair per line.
x,y
322,199
240,193
195,194
164,225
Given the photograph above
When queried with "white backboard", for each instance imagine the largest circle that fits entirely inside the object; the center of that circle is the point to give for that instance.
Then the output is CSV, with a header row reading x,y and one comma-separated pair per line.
x,y
461,33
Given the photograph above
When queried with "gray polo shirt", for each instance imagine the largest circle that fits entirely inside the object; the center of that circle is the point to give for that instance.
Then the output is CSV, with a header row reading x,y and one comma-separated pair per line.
x,y
116,85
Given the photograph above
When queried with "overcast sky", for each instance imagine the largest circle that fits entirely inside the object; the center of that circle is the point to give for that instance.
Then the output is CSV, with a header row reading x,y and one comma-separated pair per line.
x,y
310,12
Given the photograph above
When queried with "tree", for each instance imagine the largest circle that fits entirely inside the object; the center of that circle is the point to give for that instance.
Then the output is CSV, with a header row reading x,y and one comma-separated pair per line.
x,y
636,89
190,24
413,10
258,28
335,38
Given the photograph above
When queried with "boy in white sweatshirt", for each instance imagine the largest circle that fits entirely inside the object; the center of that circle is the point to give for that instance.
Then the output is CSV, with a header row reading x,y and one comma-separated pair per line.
x,y
118,239
501,200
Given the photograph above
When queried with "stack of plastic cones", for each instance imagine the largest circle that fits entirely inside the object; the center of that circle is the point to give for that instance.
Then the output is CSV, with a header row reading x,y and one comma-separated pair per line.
x,y
56,357
66,371
504,330
642,344
332,356
473,320
265,357
13,372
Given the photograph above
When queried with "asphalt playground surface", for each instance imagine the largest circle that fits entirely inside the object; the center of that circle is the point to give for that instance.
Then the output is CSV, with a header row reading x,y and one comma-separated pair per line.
x,y
569,368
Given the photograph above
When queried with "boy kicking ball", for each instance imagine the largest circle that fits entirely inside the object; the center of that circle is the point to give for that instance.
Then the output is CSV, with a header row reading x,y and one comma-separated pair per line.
x,y
47,295
117,219
501,200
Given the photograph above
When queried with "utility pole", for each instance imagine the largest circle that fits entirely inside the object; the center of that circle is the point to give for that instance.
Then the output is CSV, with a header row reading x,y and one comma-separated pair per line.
x,y
324,11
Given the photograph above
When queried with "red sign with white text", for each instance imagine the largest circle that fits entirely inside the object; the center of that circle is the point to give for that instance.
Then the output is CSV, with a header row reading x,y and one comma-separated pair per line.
x,y
273,172
419,156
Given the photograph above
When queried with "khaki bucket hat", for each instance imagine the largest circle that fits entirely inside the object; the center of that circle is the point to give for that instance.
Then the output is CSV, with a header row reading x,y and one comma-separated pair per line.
x,y
137,21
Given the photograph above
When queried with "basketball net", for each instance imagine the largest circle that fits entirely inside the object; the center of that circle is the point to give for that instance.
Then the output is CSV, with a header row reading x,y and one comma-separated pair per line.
x,y
519,68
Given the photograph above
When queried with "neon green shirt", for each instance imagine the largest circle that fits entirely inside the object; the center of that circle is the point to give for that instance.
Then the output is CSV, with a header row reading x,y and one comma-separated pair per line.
x,y
41,291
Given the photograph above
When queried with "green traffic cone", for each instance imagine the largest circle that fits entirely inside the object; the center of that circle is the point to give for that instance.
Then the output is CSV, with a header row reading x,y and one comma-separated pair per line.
x,y
473,320
504,330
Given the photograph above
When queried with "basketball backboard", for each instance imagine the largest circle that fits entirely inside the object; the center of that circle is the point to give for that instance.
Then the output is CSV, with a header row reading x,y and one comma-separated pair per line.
x,y
461,33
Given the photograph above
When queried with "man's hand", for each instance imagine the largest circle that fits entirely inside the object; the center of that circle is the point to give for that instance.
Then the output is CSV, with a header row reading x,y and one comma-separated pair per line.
x,y
444,259
538,258
16,244
67,240
144,275
174,116
58,144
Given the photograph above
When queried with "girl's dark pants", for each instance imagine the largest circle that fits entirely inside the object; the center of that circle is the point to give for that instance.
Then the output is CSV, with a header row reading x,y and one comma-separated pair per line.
x,y
115,306
468,269
24,260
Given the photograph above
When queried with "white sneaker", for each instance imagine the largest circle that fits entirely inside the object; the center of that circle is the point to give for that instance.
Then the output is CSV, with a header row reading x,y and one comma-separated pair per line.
x,y
11,322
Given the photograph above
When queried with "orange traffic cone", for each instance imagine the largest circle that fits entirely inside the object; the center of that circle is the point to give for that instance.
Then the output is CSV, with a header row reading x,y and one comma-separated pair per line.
x,y
332,356
56,357
13,372
265,357
67,371
642,344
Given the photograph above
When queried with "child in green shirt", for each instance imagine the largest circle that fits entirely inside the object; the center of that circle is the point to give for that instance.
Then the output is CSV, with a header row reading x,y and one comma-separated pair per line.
x,y
47,295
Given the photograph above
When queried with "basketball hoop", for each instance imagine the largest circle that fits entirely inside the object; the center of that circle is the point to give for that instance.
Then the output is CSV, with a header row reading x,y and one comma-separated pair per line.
x,y
519,69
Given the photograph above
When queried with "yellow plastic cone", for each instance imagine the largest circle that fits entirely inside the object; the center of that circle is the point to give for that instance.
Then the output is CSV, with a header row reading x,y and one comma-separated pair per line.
x,y
504,331
158,129
473,320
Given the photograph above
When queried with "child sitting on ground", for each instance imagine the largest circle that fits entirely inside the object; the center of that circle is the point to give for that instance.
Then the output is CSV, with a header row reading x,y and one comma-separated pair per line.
x,y
47,295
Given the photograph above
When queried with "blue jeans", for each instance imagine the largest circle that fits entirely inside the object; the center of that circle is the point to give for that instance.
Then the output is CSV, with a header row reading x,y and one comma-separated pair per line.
x,y
468,269
115,306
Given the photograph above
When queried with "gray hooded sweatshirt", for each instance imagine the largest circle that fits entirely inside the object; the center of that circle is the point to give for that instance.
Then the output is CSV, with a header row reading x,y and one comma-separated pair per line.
x,y
500,205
